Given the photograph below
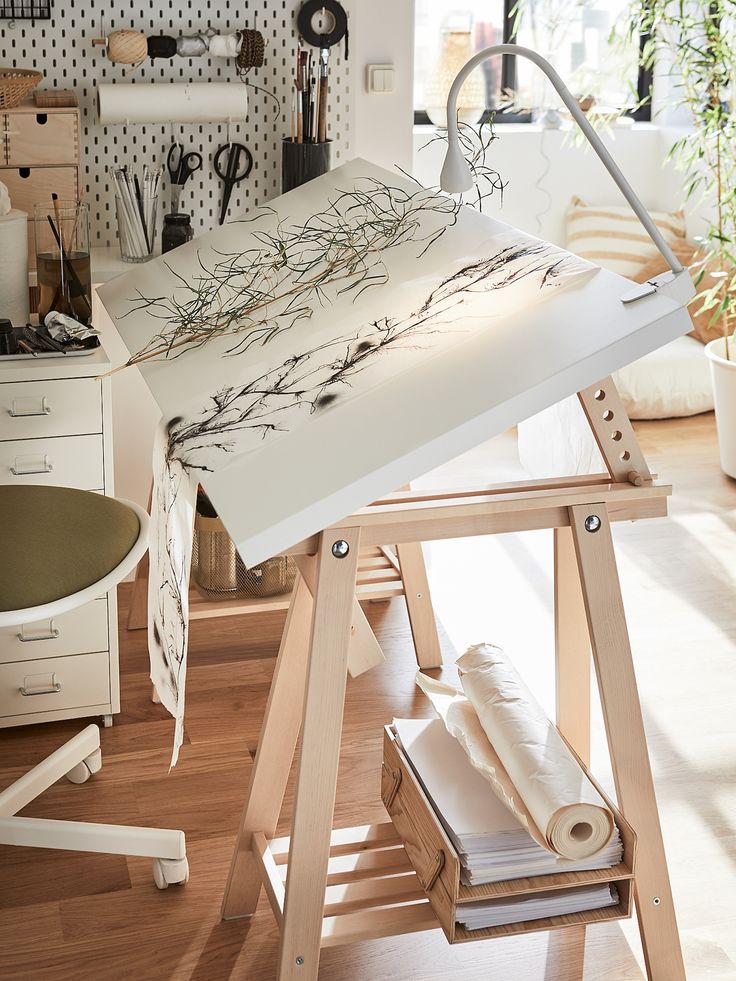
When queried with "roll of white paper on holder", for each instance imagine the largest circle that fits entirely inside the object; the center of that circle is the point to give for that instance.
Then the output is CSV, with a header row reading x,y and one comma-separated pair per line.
x,y
160,102
14,267
565,806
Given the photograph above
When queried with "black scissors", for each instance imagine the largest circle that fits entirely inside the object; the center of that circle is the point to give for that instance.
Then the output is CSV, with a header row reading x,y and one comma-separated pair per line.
x,y
239,165
181,166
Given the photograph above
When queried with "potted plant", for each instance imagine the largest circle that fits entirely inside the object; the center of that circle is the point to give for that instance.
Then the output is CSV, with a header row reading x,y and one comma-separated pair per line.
x,y
698,40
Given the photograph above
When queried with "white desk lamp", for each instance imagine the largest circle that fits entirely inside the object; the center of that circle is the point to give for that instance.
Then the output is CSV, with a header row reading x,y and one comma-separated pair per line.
x,y
456,176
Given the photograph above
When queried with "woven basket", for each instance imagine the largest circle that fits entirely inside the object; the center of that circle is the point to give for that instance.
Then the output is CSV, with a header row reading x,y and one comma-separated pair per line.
x,y
16,84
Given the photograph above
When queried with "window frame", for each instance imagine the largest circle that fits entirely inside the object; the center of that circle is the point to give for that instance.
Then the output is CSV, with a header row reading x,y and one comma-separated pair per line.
x,y
641,113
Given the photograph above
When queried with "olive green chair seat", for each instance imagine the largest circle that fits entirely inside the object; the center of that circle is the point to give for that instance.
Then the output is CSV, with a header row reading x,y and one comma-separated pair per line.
x,y
56,542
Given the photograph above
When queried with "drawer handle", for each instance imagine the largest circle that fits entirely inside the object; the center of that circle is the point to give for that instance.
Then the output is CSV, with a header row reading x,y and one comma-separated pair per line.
x,y
52,689
44,410
51,634
47,467
438,864
393,790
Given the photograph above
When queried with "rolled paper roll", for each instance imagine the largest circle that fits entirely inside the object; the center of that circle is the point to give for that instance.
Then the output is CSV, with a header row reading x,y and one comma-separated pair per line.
x,y
127,47
224,45
14,266
192,46
161,46
162,102
563,803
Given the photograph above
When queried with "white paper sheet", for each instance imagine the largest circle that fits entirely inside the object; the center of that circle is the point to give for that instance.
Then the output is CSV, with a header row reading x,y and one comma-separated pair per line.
x,y
490,840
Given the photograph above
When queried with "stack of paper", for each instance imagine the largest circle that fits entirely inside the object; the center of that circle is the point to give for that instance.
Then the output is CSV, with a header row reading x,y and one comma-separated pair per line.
x,y
490,841
518,909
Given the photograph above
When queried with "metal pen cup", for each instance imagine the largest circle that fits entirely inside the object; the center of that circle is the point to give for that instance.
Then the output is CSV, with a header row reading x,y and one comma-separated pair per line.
x,y
302,162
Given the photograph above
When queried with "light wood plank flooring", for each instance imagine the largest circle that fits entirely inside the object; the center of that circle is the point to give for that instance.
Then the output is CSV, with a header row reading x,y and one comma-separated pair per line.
x,y
70,916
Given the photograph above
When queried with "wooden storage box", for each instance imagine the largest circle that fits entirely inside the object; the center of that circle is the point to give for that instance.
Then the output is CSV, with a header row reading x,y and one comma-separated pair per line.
x,y
438,866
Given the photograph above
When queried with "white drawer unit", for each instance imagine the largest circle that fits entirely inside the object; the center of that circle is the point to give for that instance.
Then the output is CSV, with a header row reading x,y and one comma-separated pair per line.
x,y
66,461
34,409
80,631
54,684
56,429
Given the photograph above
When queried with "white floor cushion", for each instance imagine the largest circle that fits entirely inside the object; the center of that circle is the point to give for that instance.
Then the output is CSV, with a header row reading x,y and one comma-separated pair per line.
x,y
669,383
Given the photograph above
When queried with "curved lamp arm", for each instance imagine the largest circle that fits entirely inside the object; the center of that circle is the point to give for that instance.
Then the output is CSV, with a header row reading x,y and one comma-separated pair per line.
x,y
456,176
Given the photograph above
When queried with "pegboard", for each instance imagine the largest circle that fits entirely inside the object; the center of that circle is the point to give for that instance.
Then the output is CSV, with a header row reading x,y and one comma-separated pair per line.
x,y
62,49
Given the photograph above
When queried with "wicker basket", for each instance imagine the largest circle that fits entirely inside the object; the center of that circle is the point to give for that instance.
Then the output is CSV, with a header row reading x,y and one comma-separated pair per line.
x,y
16,84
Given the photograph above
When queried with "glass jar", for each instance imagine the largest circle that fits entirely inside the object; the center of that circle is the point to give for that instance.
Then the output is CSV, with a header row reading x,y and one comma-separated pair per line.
x,y
62,259
177,231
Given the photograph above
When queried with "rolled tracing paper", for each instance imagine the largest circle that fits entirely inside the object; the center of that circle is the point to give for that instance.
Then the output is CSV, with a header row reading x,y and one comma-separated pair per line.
x,y
509,739
162,102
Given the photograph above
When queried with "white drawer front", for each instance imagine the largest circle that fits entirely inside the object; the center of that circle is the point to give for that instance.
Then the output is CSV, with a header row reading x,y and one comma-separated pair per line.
x,y
54,683
69,461
69,407
81,631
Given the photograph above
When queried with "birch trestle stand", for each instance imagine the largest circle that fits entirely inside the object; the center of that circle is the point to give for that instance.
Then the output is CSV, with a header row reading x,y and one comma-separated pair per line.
x,y
63,548
336,887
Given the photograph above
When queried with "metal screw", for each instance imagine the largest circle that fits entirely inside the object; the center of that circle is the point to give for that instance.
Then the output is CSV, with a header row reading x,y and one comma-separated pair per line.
x,y
299,961
656,900
340,548
593,523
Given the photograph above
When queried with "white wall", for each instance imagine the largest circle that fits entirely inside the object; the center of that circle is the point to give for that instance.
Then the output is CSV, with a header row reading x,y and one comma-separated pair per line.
x,y
546,168
381,32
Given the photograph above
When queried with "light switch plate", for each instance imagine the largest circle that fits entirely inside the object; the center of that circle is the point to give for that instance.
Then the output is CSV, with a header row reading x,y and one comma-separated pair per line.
x,y
380,79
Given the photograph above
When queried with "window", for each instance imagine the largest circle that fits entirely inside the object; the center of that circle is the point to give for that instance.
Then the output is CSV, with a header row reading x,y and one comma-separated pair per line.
x,y
574,35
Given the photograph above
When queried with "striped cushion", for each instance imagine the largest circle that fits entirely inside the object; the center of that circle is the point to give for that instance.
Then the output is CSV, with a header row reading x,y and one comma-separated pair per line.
x,y
613,237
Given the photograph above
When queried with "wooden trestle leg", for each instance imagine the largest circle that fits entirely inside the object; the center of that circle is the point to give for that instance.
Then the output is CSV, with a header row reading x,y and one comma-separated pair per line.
x,y
274,756
319,756
419,605
572,648
626,738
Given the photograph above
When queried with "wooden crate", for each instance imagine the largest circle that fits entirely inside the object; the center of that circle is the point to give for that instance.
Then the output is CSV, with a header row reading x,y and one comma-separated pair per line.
x,y
437,864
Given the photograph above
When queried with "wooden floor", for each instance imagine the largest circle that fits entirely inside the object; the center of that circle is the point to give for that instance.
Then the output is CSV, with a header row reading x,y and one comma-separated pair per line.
x,y
76,916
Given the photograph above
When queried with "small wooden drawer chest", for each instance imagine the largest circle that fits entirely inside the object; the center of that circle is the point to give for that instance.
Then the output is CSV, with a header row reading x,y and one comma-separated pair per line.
x,y
39,155
56,429
437,864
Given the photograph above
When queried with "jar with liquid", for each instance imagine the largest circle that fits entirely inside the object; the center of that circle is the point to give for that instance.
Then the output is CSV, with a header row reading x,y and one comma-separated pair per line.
x,y
62,259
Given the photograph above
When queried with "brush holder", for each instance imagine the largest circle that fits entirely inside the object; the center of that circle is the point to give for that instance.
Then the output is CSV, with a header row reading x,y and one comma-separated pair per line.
x,y
302,162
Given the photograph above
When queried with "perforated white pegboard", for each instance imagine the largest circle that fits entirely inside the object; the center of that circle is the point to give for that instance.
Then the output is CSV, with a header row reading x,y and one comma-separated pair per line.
x,y
62,49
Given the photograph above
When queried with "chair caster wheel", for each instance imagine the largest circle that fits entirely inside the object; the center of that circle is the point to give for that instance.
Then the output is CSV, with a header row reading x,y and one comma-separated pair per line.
x,y
85,768
170,872
106,721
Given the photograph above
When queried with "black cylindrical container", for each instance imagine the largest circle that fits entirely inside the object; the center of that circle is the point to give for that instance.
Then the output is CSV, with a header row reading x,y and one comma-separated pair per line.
x,y
301,162
177,231
8,343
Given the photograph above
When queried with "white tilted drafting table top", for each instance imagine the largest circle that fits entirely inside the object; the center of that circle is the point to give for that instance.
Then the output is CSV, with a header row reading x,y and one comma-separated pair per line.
x,y
419,413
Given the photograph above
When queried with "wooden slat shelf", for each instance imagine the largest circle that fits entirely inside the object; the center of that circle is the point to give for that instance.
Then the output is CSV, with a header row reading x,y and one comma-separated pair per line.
x,y
373,891
378,579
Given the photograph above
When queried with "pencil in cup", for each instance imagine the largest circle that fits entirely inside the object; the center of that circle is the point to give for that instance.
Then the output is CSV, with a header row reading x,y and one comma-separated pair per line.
x,y
136,205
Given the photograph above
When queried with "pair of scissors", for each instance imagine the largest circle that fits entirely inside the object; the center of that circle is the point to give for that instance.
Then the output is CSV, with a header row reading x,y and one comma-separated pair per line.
x,y
237,167
181,166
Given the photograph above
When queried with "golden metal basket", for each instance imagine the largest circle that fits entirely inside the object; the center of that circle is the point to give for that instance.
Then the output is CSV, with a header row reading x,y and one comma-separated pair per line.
x,y
219,572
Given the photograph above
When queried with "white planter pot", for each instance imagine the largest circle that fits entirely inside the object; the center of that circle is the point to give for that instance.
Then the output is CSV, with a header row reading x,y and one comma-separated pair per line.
x,y
723,374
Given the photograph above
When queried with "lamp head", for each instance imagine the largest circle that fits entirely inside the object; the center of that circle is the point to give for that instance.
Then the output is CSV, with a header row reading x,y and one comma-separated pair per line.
x,y
455,177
